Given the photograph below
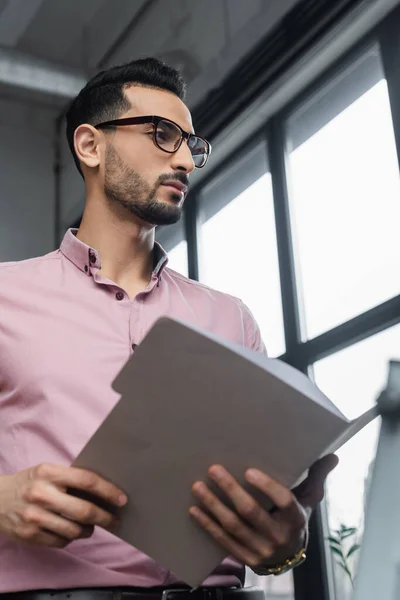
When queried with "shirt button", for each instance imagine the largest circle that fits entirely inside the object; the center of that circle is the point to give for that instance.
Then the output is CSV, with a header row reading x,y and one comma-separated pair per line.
x,y
119,296
86,268
134,346
92,258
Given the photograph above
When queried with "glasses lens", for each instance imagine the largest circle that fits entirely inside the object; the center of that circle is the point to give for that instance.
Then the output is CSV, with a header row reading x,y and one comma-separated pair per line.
x,y
168,136
199,149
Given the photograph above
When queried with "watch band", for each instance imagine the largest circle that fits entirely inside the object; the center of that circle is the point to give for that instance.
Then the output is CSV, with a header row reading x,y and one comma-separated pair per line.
x,y
290,563
287,565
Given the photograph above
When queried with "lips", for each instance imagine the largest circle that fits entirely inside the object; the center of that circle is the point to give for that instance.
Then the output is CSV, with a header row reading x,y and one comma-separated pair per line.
x,y
177,185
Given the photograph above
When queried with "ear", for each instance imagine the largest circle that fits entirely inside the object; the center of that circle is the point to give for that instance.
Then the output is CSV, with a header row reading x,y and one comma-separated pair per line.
x,y
87,143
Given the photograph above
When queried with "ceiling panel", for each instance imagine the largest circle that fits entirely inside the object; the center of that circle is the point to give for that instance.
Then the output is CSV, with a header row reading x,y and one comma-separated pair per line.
x,y
15,17
3,4
58,26
184,33
106,27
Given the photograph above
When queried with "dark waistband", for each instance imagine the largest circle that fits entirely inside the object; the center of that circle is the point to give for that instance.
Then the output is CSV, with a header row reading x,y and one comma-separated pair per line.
x,y
126,593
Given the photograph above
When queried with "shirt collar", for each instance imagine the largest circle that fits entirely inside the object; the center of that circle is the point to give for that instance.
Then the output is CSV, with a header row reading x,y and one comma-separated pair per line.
x,y
86,258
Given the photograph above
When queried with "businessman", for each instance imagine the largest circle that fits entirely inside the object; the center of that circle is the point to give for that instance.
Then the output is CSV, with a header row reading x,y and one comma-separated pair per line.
x,y
69,320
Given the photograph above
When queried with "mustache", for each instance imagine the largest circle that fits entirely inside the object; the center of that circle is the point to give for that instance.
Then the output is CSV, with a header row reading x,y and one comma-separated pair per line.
x,y
181,177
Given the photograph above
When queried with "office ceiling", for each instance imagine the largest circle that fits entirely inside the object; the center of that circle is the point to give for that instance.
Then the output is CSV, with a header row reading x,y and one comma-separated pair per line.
x,y
48,48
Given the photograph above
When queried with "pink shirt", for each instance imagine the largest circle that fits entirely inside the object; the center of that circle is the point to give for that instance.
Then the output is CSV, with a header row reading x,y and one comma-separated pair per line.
x,y
65,333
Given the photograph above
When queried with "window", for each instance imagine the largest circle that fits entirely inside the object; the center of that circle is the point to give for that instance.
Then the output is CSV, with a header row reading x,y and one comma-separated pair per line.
x,y
238,252
172,239
345,194
353,379
178,258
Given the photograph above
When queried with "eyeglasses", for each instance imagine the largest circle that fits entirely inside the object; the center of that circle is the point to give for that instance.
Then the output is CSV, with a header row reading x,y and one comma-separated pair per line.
x,y
168,137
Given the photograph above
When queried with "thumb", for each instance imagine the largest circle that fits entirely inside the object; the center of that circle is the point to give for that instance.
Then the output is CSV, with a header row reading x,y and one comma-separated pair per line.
x,y
311,491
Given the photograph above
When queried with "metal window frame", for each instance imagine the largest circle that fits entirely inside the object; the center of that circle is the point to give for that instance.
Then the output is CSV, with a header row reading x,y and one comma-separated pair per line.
x,y
313,580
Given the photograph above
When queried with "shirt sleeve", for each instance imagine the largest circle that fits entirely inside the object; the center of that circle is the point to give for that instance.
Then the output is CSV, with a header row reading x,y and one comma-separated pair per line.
x,y
252,333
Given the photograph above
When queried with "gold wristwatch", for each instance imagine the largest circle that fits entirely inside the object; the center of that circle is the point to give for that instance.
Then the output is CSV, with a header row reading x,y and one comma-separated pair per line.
x,y
290,563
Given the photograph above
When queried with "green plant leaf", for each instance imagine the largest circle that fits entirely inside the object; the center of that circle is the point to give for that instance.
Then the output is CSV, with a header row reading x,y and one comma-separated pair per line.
x,y
337,551
346,568
344,529
353,549
333,540
347,534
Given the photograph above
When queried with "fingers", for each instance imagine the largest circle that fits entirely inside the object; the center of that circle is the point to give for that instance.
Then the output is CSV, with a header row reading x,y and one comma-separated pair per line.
x,y
244,503
71,477
281,496
47,496
37,524
242,553
249,509
42,538
231,524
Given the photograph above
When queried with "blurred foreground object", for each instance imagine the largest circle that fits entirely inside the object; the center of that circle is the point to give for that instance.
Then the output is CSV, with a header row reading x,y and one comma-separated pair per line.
x,y
378,573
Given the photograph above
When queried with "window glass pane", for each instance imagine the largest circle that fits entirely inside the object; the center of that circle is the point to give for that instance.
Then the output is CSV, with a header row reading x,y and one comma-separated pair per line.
x,y
353,379
345,209
238,253
178,259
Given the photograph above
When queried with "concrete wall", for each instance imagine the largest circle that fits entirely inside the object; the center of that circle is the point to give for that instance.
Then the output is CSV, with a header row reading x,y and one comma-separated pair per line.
x,y
26,180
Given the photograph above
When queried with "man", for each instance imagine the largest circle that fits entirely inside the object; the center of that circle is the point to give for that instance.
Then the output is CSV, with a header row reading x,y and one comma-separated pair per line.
x,y
69,321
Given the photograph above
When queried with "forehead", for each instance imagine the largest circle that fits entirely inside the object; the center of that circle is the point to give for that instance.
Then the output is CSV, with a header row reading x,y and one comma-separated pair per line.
x,y
149,101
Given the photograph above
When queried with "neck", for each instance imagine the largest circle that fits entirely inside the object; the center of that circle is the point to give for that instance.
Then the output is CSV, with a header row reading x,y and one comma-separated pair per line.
x,y
125,246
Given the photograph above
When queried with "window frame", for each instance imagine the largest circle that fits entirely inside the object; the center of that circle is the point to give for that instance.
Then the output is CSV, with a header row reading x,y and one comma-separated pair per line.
x,y
314,579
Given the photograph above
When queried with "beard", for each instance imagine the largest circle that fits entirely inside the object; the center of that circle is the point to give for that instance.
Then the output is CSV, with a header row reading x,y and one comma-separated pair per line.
x,y
123,186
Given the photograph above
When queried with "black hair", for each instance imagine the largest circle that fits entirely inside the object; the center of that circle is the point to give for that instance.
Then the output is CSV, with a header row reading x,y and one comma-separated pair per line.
x,y
103,99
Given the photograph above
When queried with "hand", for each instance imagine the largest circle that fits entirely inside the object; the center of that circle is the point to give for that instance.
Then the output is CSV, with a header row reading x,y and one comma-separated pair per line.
x,y
255,537
35,507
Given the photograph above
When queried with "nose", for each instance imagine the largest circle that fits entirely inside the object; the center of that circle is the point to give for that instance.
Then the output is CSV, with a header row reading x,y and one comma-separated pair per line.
x,y
182,159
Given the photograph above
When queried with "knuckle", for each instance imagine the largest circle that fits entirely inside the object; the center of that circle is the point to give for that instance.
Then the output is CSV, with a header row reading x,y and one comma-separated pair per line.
x,y
88,514
232,523
29,514
265,556
89,480
219,536
230,486
35,492
252,561
73,531
26,533
249,510
280,538
287,500
43,471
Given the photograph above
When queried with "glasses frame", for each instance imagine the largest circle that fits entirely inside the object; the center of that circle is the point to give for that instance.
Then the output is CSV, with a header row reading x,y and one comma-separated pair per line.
x,y
155,120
